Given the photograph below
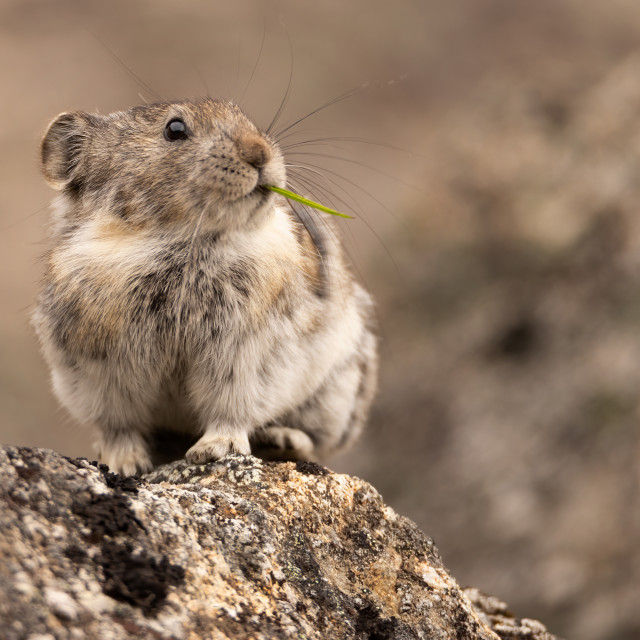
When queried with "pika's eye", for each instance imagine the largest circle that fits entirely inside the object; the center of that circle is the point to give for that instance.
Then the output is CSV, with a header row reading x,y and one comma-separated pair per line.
x,y
175,130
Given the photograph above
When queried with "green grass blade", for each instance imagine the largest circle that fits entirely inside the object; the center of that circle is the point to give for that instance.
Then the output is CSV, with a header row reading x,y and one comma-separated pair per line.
x,y
294,196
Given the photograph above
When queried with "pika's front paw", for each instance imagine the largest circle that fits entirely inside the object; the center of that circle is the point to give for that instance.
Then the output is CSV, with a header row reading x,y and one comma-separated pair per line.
x,y
213,446
125,455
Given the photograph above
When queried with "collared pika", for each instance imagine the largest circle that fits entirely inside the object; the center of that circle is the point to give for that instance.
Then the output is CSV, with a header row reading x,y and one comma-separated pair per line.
x,y
185,305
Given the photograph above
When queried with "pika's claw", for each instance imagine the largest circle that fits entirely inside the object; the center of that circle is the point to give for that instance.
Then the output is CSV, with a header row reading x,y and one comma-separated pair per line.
x,y
212,447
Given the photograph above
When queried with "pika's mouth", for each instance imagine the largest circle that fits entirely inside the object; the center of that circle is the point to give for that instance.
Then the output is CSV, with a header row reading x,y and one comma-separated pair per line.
x,y
261,190
260,193
258,196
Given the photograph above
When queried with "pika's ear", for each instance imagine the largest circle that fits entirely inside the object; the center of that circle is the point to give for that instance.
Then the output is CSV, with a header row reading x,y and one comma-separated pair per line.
x,y
61,147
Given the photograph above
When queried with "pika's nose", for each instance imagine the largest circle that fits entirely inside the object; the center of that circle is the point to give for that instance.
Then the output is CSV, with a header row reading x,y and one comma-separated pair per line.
x,y
253,149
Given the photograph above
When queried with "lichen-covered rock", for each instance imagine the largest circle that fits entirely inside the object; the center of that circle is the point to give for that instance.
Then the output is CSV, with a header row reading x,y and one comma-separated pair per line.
x,y
495,614
235,549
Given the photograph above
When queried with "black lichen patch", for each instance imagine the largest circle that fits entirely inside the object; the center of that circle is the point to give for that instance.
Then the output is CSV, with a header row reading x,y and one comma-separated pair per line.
x,y
76,554
115,480
107,514
118,482
361,539
411,541
466,628
370,625
137,578
303,571
311,468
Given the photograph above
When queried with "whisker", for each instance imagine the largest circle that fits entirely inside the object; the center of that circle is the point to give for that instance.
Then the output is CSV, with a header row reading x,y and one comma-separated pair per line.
x,y
360,188
235,92
321,140
351,205
196,68
367,86
255,66
287,93
296,144
24,219
134,76
360,164
367,224
326,105
315,185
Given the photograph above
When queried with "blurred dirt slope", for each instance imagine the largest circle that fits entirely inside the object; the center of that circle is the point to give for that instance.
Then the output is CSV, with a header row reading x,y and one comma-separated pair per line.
x,y
507,424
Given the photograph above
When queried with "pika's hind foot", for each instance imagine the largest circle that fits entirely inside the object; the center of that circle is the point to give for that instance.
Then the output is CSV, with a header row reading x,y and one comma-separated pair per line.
x,y
213,446
282,443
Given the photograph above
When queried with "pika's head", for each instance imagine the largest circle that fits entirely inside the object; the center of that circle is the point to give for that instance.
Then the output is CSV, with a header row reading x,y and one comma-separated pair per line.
x,y
167,163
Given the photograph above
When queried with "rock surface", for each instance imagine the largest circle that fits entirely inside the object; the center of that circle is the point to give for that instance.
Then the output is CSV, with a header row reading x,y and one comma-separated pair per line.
x,y
240,548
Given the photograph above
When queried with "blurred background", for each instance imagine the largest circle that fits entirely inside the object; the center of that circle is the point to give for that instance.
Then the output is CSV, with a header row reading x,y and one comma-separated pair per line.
x,y
498,230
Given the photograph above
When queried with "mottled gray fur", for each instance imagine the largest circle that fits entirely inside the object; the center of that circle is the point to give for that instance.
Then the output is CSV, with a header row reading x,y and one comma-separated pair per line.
x,y
184,305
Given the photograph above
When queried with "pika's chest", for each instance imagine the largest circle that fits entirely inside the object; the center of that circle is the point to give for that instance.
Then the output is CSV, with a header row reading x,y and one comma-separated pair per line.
x,y
120,286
